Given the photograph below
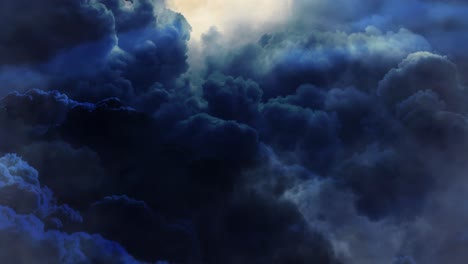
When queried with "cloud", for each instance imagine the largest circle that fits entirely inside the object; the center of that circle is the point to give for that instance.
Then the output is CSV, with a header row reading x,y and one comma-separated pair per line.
x,y
26,213
147,234
229,16
117,48
262,230
232,99
336,135
42,29
24,240
67,170
422,71
282,61
385,181
365,146
314,140
37,107
206,136
205,157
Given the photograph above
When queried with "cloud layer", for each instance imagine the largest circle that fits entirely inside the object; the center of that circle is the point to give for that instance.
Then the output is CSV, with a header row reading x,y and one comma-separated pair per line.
x,y
334,133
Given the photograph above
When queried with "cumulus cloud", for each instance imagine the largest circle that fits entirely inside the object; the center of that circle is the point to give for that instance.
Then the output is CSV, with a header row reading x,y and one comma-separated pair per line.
x,y
282,61
67,170
315,139
422,71
204,156
27,211
42,29
331,135
38,107
24,240
232,99
116,48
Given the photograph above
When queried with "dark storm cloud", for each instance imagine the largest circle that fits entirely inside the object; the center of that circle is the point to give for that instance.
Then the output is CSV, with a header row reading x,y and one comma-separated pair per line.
x,y
21,190
27,211
282,61
67,170
232,99
209,138
442,23
354,45
420,72
149,51
184,169
34,32
130,15
386,182
314,140
261,230
37,107
21,79
24,240
359,115
25,116
356,114
340,142
94,49
429,122
426,95
332,125
147,234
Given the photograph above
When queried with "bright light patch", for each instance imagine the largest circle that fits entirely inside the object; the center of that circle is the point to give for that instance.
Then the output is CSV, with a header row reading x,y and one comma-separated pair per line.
x,y
128,3
228,15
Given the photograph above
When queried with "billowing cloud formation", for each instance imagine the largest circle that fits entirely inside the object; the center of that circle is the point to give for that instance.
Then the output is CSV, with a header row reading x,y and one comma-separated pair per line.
x,y
96,49
338,135
281,62
42,30
203,155
26,212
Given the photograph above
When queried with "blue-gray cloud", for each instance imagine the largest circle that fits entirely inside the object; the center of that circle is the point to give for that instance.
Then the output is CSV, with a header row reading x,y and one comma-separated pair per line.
x,y
335,137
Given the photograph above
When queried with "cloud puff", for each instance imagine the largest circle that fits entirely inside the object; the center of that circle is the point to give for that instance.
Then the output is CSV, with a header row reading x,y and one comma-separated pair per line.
x,y
67,170
232,99
314,139
42,30
385,182
38,107
26,213
209,137
422,71
24,240
282,61
116,48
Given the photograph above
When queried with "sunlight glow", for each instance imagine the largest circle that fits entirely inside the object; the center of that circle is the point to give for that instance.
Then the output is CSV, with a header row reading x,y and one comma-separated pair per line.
x,y
229,15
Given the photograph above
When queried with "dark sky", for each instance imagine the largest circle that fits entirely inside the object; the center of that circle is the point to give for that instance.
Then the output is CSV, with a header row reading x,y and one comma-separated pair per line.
x,y
333,133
